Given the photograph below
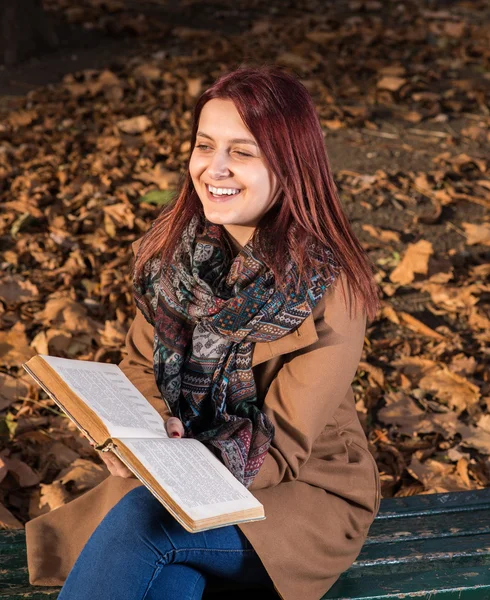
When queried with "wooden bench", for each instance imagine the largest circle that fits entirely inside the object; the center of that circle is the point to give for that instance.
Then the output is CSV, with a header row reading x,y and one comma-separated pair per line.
x,y
428,546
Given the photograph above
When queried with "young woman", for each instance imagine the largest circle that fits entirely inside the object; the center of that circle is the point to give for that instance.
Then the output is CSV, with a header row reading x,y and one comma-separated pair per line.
x,y
252,295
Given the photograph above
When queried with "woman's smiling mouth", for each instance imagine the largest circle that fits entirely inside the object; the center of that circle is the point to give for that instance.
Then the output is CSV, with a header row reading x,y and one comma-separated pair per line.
x,y
221,194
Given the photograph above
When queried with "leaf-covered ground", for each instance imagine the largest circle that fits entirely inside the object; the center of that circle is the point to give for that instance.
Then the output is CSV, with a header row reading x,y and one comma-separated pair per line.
x,y
402,90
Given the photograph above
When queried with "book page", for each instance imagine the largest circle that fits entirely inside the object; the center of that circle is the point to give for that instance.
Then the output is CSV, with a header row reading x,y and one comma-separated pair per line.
x,y
190,473
112,396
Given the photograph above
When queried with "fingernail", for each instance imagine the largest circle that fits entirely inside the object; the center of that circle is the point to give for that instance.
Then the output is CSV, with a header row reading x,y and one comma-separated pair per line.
x,y
175,434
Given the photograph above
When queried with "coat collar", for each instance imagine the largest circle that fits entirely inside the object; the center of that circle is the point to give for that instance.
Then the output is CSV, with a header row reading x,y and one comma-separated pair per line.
x,y
300,338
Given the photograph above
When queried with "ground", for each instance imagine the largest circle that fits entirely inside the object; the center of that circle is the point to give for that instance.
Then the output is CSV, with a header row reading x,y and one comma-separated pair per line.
x,y
402,93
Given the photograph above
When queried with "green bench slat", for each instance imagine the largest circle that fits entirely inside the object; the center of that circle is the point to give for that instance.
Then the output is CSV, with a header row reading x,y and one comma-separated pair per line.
x,y
448,584
417,527
398,508
461,549
429,546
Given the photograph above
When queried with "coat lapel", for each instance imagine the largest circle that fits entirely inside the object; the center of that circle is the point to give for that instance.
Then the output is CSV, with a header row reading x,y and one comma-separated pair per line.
x,y
300,338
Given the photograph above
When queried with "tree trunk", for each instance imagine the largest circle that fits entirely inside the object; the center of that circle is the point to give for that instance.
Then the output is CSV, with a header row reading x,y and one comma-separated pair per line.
x,y
25,29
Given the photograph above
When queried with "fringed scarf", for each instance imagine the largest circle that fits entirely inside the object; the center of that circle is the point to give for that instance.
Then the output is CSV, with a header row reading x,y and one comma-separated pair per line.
x,y
208,310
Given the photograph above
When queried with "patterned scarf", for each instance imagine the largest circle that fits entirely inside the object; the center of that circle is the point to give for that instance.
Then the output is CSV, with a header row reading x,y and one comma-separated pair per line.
x,y
208,310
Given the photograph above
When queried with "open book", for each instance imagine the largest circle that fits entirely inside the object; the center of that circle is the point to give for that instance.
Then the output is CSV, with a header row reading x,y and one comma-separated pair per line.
x,y
187,478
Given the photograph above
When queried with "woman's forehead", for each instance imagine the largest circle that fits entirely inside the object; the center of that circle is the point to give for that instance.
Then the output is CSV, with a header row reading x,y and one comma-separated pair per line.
x,y
219,119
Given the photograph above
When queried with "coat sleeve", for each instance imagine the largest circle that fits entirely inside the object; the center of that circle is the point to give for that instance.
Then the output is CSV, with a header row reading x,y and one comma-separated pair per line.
x,y
308,389
137,365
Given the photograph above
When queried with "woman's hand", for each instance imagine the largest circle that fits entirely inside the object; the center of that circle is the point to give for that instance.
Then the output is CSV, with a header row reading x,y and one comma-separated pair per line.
x,y
116,467
174,427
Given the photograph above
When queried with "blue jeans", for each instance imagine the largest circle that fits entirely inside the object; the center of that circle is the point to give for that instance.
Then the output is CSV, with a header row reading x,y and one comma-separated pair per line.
x,y
139,551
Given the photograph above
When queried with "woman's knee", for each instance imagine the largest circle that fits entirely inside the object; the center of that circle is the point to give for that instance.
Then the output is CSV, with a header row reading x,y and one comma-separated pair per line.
x,y
136,516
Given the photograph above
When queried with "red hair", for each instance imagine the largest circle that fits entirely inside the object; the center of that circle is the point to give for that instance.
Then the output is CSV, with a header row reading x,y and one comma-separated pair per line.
x,y
279,112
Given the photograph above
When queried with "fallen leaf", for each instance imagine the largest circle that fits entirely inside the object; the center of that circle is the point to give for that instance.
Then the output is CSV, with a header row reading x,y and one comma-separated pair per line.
x,y
477,234
11,389
415,260
14,290
21,471
52,496
384,235
14,347
393,84
7,519
83,475
452,389
135,125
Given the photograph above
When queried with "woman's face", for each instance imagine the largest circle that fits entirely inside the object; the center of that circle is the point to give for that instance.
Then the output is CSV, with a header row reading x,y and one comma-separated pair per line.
x,y
228,171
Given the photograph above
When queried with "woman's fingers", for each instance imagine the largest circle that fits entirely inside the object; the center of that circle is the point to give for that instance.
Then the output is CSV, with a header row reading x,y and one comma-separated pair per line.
x,y
115,466
174,427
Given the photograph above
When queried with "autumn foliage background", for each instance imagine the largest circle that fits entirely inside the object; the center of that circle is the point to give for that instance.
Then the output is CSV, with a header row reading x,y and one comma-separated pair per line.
x,y
402,91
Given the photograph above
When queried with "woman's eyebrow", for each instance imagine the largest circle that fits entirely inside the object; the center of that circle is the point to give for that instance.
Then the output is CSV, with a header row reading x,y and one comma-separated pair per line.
x,y
233,141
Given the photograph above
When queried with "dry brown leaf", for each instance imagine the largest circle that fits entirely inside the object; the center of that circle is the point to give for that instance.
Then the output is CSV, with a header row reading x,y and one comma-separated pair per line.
x,y
135,125
294,61
3,469
7,519
84,474
375,373
53,495
452,298
474,437
477,234
484,422
22,118
462,470
11,389
477,320
390,83
121,214
147,71
412,116
333,124
452,389
113,334
62,455
66,314
388,312
320,37
14,347
161,176
21,471
384,235
40,343
438,477
14,290
194,86
415,325
414,367
462,364
415,260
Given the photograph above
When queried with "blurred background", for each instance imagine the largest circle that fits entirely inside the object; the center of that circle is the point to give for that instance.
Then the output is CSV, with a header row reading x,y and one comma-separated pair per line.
x,y
95,111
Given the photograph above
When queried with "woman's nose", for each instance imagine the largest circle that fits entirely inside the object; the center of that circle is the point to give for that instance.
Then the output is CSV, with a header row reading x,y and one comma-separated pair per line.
x,y
219,167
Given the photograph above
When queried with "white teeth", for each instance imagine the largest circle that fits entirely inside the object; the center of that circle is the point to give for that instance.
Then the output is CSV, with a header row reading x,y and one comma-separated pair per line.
x,y
223,191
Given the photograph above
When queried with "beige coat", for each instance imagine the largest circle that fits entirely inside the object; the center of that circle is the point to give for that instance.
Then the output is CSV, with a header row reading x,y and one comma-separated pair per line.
x,y
319,483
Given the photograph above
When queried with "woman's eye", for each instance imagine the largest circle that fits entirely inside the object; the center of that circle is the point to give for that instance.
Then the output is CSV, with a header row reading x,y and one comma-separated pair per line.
x,y
202,147
243,153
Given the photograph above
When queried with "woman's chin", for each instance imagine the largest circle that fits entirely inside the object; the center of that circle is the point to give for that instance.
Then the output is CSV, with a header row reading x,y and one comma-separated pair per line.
x,y
220,218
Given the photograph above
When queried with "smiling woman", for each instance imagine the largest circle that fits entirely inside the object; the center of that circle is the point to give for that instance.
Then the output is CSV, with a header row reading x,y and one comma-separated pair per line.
x,y
229,173
252,295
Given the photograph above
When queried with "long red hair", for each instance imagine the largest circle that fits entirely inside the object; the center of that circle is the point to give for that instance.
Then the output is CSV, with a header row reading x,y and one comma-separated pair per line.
x,y
279,112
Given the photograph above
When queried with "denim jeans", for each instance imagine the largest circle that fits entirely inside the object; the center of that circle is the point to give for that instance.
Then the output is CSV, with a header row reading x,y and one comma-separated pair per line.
x,y
139,551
